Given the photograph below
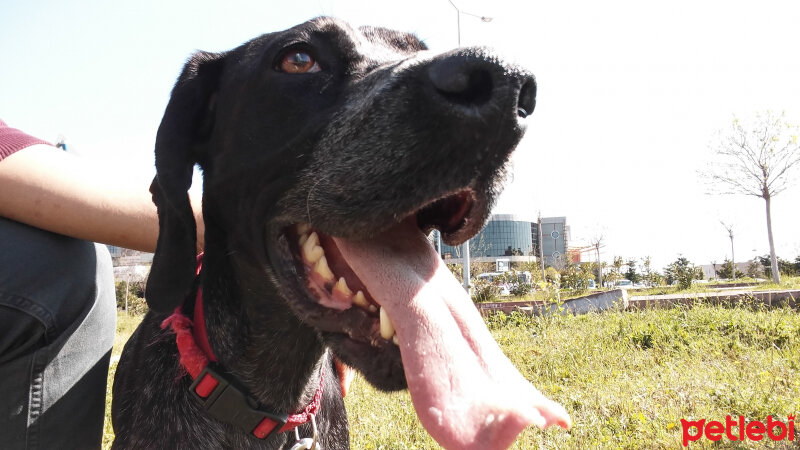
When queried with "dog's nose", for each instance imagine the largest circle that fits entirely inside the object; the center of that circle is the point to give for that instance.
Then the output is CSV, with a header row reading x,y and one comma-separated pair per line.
x,y
470,81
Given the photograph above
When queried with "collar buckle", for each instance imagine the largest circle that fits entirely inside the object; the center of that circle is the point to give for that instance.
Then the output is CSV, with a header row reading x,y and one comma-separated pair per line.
x,y
227,403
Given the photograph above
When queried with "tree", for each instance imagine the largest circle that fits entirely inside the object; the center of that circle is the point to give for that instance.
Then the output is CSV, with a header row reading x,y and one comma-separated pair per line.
x,y
533,267
651,277
569,276
577,276
586,275
785,267
754,269
756,160
553,277
683,272
726,270
615,274
631,274
698,273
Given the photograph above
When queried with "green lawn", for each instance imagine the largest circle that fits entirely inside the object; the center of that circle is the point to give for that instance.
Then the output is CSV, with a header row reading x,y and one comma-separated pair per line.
x,y
125,326
627,378
787,283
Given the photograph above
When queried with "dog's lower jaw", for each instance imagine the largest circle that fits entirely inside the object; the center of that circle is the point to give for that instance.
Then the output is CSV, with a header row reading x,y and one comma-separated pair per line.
x,y
278,358
351,334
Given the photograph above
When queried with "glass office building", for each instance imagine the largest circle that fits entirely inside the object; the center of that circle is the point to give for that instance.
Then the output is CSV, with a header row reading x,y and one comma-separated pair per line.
x,y
510,235
503,235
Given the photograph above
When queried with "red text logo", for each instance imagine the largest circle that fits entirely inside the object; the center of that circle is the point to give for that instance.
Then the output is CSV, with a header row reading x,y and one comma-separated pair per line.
x,y
738,430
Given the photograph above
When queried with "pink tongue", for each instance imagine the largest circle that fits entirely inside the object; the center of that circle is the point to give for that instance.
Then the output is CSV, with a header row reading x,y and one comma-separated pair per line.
x,y
467,394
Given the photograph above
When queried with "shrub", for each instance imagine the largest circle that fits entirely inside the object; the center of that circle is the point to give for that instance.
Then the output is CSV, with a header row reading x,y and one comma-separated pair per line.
x,y
553,277
136,303
682,272
485,291
521,289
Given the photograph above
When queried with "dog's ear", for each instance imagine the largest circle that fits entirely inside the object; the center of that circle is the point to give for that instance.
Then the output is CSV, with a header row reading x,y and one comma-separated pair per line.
x,y
187,122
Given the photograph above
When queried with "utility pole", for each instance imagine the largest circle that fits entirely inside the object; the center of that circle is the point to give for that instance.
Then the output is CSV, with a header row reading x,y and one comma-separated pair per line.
x,y
465,245
729,228
597,243
599,266
541,247
465,265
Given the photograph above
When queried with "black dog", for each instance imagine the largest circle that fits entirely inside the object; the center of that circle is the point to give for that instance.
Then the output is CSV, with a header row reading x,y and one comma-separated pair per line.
x,y
328,153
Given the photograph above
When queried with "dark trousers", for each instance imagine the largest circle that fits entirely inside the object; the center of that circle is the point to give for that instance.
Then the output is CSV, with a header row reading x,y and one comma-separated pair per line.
x,y
57,325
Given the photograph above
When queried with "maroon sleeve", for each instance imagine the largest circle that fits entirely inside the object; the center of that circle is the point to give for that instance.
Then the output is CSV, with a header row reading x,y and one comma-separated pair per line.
x,y
11,140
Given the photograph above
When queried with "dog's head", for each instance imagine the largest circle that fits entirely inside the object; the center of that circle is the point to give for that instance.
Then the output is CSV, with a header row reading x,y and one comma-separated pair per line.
x,y
328,154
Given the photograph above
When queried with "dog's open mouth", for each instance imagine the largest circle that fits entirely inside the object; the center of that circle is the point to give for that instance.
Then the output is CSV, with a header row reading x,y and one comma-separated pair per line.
x,y
466,393
334,284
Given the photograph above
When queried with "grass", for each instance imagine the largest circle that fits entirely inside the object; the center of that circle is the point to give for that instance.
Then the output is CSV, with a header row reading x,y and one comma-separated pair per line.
x,y
627,378
126,324
787,282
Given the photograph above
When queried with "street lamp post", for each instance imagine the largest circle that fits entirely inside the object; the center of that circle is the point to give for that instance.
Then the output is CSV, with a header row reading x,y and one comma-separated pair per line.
x,y
458,19
733,258
465,245
729,228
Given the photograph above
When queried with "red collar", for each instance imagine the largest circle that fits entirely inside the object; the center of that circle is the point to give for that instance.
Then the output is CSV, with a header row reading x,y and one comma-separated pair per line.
x,y
219,392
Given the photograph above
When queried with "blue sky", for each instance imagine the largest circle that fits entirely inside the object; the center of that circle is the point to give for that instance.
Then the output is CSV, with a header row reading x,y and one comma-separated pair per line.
x,y
631,94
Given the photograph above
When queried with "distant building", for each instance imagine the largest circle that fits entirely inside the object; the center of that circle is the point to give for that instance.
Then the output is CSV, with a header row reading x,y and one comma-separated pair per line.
x,y
555,238
710,270
130,265
503,235
513,237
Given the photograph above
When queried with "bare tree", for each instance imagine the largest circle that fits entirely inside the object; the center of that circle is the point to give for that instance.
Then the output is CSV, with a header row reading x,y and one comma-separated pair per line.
x,y
756,159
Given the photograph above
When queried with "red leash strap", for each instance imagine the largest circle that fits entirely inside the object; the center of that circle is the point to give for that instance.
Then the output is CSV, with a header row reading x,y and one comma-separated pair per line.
x,y
192,358
199,330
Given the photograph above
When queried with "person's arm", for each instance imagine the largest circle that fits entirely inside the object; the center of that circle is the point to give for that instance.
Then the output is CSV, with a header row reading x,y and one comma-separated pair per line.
x,y
47,188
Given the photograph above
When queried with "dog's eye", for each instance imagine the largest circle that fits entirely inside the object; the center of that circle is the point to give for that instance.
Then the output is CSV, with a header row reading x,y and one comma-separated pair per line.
x,y
298,62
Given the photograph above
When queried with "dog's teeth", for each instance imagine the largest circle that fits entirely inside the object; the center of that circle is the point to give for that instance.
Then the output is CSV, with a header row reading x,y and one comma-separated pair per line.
x,y
303,228
361,300
303,239
372,308
323,270
395,340
312,250
341,287
314,255
312,241
387,329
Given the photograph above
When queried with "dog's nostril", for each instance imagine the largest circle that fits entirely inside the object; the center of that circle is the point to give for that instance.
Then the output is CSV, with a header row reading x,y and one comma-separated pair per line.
x,y
461,83
527,98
